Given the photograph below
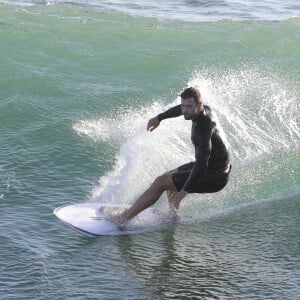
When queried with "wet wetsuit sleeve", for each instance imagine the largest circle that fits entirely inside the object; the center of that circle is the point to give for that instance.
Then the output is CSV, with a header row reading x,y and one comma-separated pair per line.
x,y
173,112
202,153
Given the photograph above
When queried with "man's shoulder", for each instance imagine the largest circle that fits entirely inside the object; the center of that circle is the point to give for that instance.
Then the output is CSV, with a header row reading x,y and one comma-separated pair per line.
x,y
208,119
207,107
207,115
210,114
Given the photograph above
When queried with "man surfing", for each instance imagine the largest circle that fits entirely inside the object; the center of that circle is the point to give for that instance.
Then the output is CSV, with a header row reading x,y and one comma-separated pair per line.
x,y
209,173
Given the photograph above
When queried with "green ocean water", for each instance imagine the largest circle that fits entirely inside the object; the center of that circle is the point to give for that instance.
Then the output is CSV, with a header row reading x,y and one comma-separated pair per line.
x,y
77,86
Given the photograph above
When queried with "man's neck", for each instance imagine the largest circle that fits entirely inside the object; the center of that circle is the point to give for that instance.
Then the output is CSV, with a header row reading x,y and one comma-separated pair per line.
x,y
200,111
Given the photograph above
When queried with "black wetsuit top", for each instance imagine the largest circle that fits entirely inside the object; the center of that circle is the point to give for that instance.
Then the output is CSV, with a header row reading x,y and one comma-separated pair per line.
x,y
211,152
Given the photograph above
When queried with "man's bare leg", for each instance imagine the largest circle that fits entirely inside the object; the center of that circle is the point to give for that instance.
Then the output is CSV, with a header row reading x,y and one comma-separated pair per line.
x,y
150,196
171,194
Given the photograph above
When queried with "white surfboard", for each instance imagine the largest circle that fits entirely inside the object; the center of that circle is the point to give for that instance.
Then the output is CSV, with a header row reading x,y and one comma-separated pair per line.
x,y
88,218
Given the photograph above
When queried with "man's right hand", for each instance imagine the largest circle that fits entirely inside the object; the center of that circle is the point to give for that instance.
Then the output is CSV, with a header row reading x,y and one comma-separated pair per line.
x,y
153,123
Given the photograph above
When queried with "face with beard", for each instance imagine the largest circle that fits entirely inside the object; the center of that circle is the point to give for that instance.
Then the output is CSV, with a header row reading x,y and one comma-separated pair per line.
x,y
190,109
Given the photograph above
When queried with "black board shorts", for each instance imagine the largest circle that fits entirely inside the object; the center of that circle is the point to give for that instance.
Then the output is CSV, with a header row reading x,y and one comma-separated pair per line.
x,y
212,182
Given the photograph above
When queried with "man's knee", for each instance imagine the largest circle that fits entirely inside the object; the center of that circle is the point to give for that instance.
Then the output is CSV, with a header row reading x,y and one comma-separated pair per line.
x,y
163,181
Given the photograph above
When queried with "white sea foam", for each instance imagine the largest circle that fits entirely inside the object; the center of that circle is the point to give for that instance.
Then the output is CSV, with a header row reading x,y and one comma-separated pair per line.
x,y
142,155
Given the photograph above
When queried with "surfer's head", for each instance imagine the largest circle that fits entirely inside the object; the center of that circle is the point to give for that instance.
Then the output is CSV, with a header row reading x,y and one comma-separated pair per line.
x,y
191,92
191,103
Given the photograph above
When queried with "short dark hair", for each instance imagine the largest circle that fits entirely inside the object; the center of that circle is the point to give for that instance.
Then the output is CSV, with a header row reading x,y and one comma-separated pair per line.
x,y
191,92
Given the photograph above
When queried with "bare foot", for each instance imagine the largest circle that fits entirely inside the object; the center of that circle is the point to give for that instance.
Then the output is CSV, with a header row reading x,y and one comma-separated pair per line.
x,y
118,220
115,216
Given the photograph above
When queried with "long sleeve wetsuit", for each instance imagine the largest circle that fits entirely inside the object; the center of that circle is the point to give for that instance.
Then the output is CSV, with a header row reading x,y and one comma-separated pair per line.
x,y
211,152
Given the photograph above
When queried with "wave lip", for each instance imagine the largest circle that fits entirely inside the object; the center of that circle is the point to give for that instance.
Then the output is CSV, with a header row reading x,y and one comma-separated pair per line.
x,y
194,11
